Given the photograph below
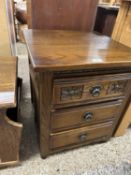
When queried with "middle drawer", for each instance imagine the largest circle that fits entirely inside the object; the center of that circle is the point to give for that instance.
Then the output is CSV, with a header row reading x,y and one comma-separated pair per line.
x,y
73,117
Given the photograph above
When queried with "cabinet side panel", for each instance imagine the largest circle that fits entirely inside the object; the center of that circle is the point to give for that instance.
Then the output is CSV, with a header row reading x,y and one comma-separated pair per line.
x,y
45,108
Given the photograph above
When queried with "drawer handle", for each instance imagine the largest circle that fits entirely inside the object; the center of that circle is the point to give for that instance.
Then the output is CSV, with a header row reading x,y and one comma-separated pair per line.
x,y
83,137
95,91
88,116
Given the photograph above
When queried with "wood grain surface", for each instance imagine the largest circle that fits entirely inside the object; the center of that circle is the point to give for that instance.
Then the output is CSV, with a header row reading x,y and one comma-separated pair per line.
x,y
80,116
7,31
10,136
65,14
80,135
59,50
11,26
122,34
70,90
8,72
73,71
10,131
122,29
5,48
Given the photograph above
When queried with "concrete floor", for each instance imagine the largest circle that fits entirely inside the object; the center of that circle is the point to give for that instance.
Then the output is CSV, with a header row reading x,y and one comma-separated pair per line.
x,y
110,158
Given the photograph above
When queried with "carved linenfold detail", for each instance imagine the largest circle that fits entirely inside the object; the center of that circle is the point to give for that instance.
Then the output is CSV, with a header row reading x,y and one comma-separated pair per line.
x,y
116,87
72,92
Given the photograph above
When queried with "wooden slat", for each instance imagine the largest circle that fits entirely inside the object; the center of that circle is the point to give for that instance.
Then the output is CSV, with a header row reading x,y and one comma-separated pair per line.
x,y
10,24
4,35
7,32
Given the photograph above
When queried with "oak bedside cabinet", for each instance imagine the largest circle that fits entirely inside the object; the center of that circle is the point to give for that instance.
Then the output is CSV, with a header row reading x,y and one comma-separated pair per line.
x,y
80,84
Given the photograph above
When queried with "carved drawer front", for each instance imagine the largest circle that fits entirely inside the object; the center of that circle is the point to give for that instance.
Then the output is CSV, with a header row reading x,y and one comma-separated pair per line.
x,y
82,135
89,88
67,118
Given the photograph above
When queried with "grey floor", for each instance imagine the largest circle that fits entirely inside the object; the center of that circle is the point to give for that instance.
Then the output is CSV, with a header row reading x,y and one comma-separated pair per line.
x,y
110,158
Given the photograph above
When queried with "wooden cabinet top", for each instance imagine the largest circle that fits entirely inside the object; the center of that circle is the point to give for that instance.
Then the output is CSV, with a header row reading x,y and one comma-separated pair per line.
x,y
7,82
70,50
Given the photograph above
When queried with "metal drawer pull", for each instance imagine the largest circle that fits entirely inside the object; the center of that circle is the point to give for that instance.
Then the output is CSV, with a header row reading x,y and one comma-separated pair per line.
x,y
95,91
88,116
83,137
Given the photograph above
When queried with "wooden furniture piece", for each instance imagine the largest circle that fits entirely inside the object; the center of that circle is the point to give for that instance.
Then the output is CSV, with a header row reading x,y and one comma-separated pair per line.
x,y
65,14
105,19
10,131
80,86
122,34
122,29
7,31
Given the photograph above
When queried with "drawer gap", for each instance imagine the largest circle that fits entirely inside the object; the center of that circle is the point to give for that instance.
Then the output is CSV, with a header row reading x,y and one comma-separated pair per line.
x,y
119,101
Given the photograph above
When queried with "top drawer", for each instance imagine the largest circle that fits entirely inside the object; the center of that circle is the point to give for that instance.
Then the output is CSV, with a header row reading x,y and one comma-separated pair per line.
x,y
79,89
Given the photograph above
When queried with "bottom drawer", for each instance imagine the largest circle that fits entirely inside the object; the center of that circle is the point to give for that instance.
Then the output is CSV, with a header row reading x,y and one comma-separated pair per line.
x,y
81,135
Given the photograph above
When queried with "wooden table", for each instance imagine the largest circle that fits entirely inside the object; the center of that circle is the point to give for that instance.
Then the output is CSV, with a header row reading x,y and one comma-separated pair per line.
x,y
80,86
10,131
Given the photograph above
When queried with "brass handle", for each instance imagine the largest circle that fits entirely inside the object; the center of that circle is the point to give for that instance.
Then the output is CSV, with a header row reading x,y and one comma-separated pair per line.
x,y
83,137
95,91
88,116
